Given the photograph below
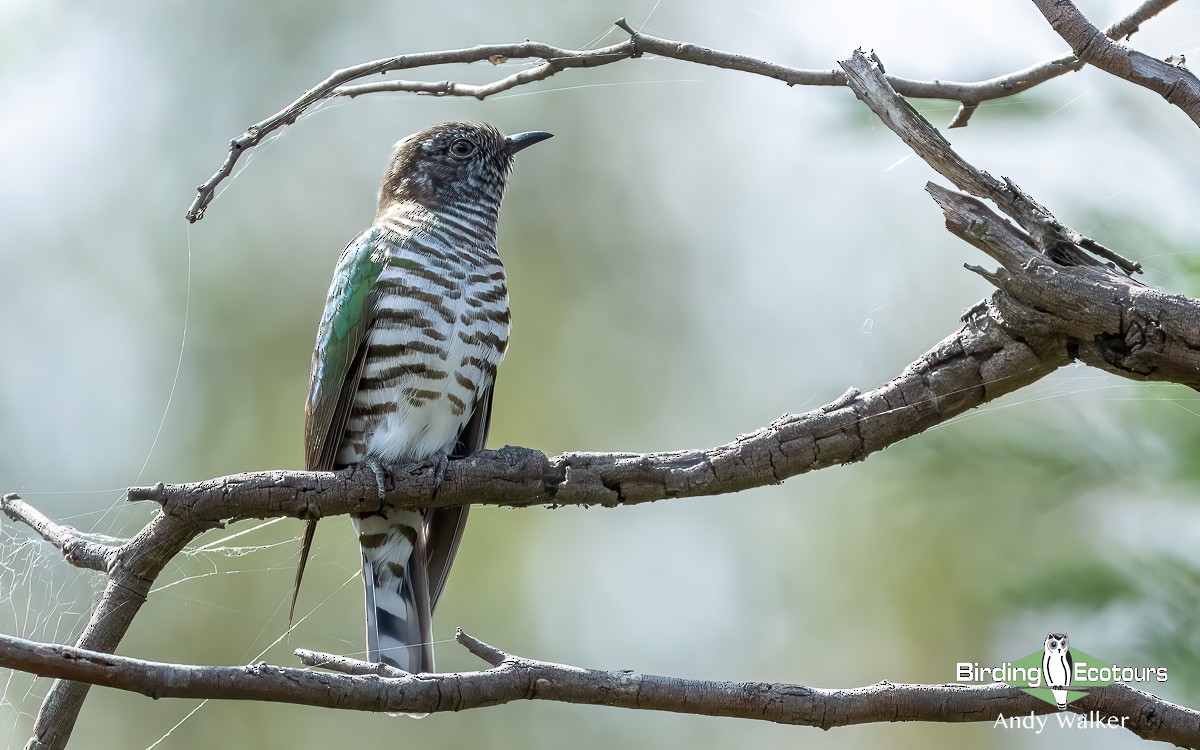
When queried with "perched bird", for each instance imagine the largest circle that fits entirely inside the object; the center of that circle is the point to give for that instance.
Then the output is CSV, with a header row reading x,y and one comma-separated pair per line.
x,y
414,327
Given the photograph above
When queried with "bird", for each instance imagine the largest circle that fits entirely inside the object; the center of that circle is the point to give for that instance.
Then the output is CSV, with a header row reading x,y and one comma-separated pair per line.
x,y
415,324
1057,667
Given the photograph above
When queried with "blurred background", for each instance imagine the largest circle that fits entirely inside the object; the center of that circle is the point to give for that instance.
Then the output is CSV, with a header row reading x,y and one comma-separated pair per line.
x,y
694,254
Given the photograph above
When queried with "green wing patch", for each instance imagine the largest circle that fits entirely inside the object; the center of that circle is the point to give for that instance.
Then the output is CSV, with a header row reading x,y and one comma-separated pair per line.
x,y
341,336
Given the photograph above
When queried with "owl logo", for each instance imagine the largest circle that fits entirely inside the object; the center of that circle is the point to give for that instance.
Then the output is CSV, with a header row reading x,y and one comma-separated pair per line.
x,y
1057,667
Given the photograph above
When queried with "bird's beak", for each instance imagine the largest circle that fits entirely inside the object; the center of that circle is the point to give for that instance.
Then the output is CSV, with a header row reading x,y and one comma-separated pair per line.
x,y
521,141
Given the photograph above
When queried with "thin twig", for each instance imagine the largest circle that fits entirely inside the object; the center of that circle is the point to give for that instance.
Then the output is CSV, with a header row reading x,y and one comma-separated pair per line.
x,y
80,552
556,59
330,86
489,654
453,88
346,665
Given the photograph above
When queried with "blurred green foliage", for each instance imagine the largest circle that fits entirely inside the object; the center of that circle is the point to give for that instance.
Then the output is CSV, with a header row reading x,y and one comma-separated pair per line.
x,y
696,252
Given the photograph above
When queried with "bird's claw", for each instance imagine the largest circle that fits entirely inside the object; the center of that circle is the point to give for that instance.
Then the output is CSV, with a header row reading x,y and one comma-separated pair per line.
x,y
440,463
379,470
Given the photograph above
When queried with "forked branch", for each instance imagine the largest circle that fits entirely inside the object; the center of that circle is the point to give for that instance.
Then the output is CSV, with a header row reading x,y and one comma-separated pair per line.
x,y
1168,79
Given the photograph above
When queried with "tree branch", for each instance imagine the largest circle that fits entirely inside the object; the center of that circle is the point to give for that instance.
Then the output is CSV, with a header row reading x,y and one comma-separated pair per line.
x,y
361,687
556,59
1110,322
79,552
977,363
866,78
1175,83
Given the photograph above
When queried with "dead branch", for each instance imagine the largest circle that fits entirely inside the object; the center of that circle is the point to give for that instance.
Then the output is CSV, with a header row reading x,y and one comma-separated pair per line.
x,y
1171,81
362,686
79,552
555,59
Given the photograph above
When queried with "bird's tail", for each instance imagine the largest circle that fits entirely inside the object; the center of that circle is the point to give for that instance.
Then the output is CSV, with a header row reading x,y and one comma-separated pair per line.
x,y
310,530
399,610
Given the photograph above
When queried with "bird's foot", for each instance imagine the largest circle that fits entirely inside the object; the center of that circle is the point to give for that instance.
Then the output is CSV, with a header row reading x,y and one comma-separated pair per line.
x,y
380,471
440,462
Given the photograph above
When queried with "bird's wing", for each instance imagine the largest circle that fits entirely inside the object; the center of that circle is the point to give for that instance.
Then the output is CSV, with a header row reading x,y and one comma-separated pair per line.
x,y
341,343
338,362
444,526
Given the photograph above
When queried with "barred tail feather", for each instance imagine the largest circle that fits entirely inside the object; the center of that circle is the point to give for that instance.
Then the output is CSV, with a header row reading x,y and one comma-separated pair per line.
x,y
399,620
397,633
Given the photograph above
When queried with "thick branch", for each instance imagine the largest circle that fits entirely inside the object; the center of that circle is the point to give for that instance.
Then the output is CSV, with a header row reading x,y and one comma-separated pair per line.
x,y
555,59
1175,83
516,678
977,363
1112,322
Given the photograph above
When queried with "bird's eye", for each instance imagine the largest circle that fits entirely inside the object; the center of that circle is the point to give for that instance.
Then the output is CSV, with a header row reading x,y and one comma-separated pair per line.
x,y
462,148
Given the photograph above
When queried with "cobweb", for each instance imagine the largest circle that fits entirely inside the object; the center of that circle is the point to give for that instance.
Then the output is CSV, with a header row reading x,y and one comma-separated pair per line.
x,y
45,599
41,598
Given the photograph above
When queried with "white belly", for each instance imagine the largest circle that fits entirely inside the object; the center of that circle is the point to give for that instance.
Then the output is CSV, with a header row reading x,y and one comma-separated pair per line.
x,y
416,432
433,349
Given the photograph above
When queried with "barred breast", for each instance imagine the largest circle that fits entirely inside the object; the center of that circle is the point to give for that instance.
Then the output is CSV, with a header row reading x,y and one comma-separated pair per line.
x,y
440,330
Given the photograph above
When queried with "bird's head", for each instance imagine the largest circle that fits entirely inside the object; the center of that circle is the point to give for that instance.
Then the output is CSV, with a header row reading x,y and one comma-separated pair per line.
x,y
453,162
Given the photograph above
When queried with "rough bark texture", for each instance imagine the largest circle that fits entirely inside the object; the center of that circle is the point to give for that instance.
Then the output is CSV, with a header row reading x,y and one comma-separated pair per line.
x,y
979,362
514,678
1172,82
